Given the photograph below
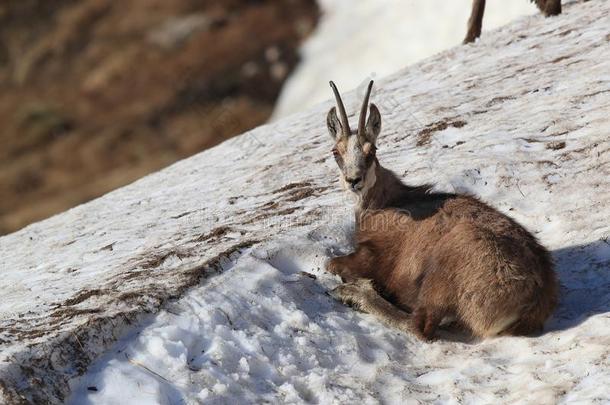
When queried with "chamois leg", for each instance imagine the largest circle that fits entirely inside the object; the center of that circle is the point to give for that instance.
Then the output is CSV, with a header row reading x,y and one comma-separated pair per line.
x,y
549,7
362,295
552,7
352,266
426,320
433,300
475,21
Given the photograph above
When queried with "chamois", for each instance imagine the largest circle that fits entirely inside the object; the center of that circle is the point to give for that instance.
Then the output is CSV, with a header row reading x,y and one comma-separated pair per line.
x,y
422,256
547,7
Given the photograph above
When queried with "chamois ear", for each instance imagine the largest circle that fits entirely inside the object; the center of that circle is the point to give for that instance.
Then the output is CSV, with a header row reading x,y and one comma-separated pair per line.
x,y
373,124
333,124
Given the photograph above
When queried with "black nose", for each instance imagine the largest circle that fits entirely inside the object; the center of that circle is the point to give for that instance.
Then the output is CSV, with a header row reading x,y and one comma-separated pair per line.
x,y
354,182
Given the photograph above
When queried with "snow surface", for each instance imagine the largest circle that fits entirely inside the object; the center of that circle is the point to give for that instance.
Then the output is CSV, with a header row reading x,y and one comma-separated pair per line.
x,y
520,119
359,40
265,329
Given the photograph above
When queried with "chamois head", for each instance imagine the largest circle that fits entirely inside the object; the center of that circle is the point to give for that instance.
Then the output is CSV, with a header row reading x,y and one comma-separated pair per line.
x,y
354,151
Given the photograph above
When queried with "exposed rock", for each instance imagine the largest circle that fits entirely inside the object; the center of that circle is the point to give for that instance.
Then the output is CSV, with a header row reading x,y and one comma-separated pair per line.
x,y
95,93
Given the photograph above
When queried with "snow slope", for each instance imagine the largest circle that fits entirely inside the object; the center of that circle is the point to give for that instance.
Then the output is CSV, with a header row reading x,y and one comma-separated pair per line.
x,y
358,40
522,121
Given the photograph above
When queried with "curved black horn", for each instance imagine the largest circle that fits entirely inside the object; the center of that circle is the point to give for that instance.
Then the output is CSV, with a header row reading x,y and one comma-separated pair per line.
x,y
342,113
363,111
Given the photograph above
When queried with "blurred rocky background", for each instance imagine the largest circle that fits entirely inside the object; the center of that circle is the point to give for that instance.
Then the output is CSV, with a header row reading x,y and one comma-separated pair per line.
x,y
97,93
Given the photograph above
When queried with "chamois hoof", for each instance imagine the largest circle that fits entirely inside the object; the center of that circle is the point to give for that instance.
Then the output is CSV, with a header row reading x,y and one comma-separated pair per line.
x,y
354,294
424,338
344,293
470,38
424,324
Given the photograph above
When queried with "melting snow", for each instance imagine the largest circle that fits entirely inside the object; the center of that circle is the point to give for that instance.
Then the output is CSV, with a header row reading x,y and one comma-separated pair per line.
x,y
265,328
520,119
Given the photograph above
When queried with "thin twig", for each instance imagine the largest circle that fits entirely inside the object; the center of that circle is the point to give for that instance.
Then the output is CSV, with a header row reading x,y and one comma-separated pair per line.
x,y
137,363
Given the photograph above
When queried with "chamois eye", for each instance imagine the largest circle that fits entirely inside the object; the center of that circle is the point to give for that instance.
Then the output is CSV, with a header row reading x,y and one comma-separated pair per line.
x,y
335,151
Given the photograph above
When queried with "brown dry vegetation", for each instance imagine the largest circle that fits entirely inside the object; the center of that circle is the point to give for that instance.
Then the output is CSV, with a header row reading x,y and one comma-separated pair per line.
x,y
96,93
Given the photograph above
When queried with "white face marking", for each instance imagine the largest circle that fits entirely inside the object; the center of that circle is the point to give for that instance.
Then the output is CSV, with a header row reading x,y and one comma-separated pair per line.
x,y
369,181
353,161
354,165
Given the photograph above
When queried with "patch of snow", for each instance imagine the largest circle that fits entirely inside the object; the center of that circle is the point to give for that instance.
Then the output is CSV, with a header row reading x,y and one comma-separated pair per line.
x,y
358,40
521,121
267,331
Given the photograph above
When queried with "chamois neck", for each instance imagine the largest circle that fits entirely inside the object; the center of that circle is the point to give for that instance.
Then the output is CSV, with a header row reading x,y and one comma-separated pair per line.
x,y
385,188
388,191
